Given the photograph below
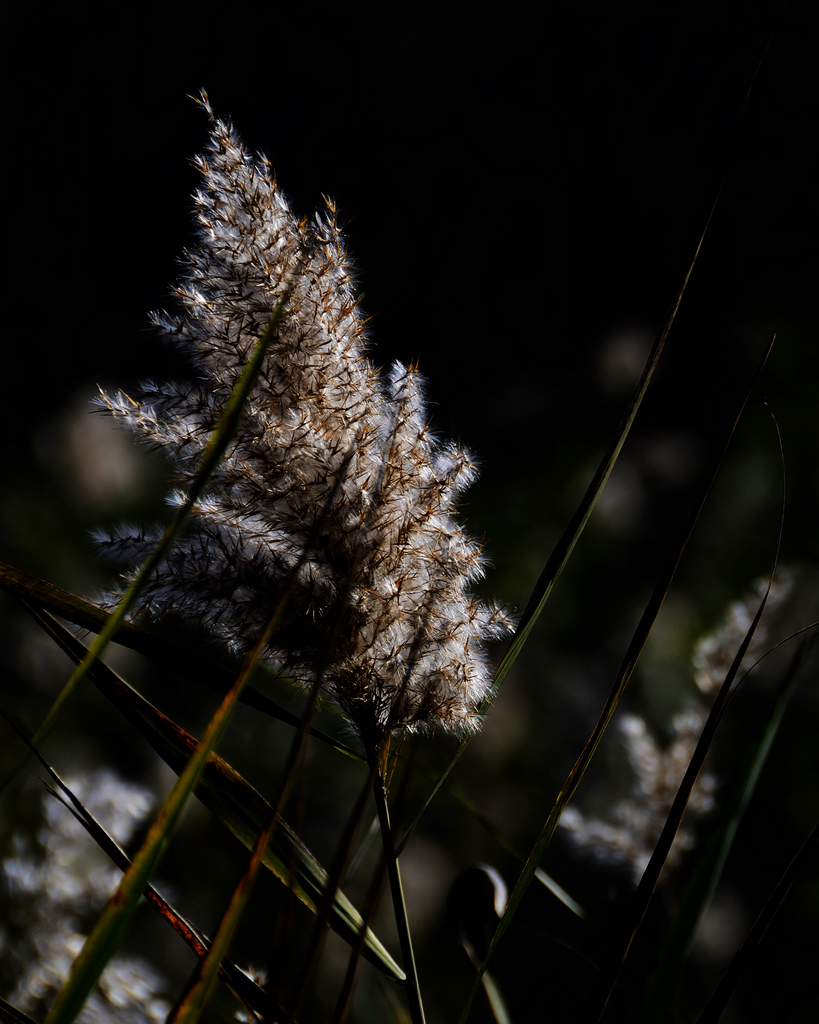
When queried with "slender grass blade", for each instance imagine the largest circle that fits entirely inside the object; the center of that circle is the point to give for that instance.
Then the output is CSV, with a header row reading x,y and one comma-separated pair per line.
x,y
216,447
744,955
627,667
245,989
710,863
237,804
113,922
11,1015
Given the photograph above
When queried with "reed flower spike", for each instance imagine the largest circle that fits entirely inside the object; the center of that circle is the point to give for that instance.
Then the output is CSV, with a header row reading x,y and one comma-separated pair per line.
x,y
333,486
629,834
53,886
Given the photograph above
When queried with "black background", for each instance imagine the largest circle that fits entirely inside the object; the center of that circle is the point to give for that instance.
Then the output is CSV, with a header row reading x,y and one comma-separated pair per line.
x,y
523,186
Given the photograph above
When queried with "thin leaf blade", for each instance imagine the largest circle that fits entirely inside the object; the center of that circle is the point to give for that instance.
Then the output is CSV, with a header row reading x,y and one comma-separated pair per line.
x,y
237,804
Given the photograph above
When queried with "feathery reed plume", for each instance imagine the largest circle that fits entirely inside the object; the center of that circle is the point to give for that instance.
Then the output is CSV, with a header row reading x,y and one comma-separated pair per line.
x,y
629,835
54,886
333,485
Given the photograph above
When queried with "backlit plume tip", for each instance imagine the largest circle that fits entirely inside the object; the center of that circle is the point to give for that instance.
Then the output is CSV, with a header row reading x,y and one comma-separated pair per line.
x,y
333,486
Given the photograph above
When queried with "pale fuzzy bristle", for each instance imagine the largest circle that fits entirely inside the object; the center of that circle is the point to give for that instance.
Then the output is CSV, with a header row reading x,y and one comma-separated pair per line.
x,y
333,481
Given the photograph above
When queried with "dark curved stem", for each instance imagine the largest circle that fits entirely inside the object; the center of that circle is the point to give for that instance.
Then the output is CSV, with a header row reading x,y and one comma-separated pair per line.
x,y
416,1007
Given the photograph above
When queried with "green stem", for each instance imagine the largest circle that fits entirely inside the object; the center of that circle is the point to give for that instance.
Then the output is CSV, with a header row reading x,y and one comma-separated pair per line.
x,y
416,1007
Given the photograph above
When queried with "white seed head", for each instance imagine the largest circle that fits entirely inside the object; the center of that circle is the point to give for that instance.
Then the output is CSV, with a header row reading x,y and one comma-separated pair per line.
x,y
333,482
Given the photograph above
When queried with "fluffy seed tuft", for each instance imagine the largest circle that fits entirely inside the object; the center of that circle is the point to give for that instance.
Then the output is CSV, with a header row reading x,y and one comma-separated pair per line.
x,y
333,482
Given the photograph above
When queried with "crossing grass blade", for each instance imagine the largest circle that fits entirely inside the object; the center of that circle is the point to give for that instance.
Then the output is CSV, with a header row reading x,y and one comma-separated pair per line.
x,y
711,861
648,883
627,667
571,535
112,924
200,986
188,660
11,1015
645,891
501,839
214,450
495,999
243,987
237,804
568,540
744,955
185,658
197,995
110,927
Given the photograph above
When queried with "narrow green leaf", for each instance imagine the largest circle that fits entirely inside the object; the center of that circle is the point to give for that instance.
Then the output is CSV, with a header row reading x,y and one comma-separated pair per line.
x,y
545,879
85,614
742,958
240,807
564,547
111,925
214,450
648,883
413,988
245,989
195,999
186,659
11,1015
568,540
709,865
627,667
113,922
496,1000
